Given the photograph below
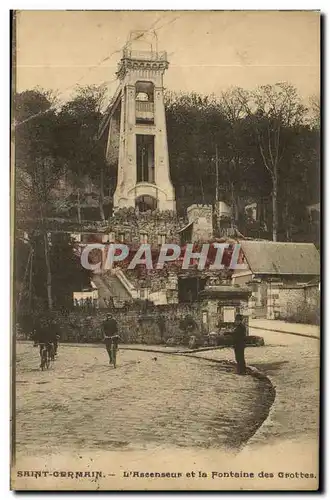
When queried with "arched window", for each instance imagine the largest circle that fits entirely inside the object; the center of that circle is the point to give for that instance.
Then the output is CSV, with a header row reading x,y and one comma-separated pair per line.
x,y
144,91
145,203
144,102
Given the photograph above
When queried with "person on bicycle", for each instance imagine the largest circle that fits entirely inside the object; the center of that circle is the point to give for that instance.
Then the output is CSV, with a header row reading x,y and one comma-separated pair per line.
x,y
44,336
111,337
54,333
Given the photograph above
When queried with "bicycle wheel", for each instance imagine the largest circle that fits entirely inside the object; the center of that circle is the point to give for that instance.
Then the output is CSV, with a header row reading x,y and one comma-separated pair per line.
x,y
44,358
52,353
47,361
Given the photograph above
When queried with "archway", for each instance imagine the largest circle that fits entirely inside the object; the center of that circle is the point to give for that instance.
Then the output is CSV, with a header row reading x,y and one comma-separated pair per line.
x,y
145,203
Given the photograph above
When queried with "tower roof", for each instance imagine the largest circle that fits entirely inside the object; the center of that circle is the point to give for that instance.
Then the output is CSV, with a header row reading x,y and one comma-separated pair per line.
x,y
141,51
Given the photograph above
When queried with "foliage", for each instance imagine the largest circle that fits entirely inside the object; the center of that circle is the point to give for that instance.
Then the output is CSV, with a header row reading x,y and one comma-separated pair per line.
x,y
265,144
67,273
268,152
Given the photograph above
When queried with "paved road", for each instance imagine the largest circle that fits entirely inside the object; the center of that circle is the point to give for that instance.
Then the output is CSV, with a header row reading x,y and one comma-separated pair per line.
x,y
285,327
292,364
83,403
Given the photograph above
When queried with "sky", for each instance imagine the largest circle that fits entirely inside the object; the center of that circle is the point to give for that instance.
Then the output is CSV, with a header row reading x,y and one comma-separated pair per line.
x,y
208,51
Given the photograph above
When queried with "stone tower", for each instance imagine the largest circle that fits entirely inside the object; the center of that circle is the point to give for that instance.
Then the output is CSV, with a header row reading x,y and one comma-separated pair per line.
x,y
137,128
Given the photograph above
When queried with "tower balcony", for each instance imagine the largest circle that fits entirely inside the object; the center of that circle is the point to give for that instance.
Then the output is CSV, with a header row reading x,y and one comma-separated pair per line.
x,y
144,55
144,112
141,60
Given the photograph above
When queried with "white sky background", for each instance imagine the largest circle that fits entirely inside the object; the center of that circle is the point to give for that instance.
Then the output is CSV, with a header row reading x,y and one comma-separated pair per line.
x,y
208,51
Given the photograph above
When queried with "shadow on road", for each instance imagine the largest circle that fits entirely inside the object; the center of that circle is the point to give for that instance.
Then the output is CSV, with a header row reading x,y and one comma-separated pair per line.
x,y
269,368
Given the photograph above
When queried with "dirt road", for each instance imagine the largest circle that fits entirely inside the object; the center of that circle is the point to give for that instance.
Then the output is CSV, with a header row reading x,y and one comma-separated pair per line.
x,y
150,400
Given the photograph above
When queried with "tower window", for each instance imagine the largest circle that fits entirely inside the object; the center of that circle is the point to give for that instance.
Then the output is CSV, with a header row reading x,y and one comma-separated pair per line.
x,y
144,102
145,161
144,91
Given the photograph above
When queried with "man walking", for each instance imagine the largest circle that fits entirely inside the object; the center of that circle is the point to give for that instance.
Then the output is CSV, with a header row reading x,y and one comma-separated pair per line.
x,y
239,335
111,338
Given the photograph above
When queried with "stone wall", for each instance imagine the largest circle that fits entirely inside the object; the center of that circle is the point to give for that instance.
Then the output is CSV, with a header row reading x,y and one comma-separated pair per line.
x,y
312,295
296,303
135,325
159,286
154,228
202,218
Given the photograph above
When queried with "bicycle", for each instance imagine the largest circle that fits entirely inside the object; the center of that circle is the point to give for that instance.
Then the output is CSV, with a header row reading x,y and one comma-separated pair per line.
x,y
47,354
114,355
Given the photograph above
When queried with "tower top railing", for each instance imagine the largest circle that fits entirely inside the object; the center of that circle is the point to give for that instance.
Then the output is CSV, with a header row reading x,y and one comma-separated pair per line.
x,y
144,55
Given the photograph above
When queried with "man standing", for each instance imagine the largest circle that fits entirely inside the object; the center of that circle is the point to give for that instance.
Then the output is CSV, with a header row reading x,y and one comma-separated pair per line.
x,y
239,335
111,339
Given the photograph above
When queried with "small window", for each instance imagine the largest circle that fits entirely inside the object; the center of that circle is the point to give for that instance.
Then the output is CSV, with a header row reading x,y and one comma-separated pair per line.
x,y
143,238
121,237
112,237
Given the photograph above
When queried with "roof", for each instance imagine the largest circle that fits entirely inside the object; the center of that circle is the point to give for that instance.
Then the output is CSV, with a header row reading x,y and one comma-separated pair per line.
x,y
268,257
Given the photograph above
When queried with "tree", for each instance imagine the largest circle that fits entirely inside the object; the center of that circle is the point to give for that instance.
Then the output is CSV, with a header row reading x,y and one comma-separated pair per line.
x,y
271,109
211,151
36,163
238,155
68,275
315,109
77,141
261,140
299,182
195,126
